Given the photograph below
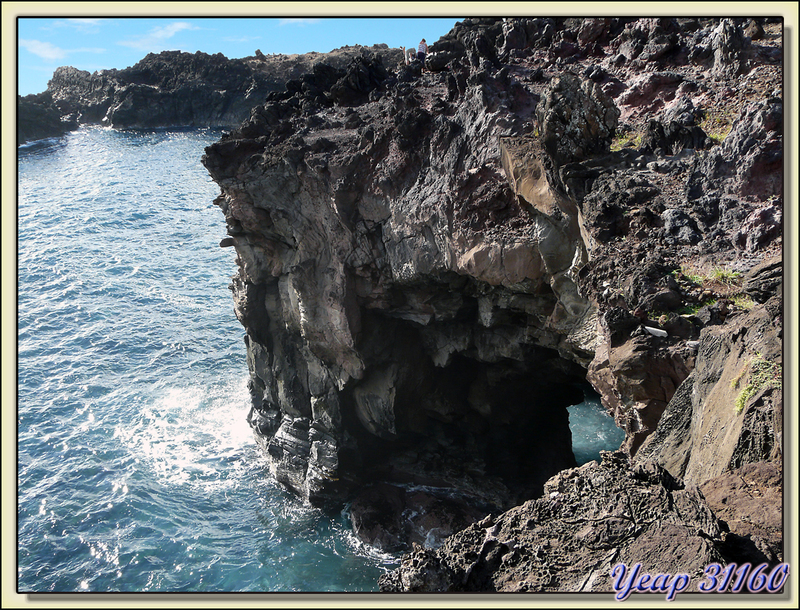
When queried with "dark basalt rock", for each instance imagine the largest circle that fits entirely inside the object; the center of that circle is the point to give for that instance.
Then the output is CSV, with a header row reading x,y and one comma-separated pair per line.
x,y
577,119
673,138
393,518
730,47
177,89
764,280
588,520
38,117
429,262
748,164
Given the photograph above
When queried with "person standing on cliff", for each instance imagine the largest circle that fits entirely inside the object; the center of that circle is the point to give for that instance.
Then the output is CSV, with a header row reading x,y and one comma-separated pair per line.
x,y
422,51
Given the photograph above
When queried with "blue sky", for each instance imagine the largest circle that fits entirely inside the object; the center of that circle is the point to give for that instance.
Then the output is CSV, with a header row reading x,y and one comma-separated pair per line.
x,y
91,43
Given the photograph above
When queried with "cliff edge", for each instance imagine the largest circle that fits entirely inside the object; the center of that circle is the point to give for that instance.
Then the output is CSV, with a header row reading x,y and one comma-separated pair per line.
x,y
171,89
431,262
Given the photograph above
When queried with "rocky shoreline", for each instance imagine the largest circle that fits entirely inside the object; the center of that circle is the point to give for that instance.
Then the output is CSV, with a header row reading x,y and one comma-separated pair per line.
x,y
172,89
588,521
429,264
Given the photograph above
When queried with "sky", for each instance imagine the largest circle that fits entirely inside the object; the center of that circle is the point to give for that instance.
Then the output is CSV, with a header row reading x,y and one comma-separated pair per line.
x,y
95,43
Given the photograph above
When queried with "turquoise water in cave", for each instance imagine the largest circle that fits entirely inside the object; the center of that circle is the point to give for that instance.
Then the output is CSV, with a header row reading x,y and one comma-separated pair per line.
x,y
593,429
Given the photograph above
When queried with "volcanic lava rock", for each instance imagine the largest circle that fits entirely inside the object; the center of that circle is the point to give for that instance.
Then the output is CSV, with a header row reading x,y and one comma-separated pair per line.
x,y
588,520
429,262
177,89
577,119
38,117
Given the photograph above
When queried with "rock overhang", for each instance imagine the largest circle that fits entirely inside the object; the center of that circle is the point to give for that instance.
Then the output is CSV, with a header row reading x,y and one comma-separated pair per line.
x,y
455,251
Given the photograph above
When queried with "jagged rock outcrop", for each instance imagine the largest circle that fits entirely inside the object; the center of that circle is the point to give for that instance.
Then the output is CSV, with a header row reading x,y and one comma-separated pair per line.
x,y
177,89
428,263
384,259
577,119
725,210
589,520
730,412
39,117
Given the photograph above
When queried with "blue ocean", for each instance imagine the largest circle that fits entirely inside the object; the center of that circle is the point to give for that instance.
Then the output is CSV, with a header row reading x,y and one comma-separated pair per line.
x,y
137,471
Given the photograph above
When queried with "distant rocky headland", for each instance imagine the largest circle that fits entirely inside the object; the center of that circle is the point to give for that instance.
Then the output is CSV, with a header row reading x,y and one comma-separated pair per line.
x,y
430,264
172,89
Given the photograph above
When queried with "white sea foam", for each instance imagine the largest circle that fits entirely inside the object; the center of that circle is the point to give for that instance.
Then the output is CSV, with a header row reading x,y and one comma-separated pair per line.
x,y
132,439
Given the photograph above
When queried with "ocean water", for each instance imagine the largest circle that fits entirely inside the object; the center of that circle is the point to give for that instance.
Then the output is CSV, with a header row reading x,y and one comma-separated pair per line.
x,y
136,468
593,429
137,471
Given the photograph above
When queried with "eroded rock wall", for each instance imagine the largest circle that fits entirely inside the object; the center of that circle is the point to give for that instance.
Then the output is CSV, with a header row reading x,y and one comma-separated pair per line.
x,y
408,288
429,262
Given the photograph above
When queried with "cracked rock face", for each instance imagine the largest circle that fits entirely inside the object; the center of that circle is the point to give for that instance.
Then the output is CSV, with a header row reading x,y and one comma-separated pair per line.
x,y
406,279
588,520
428,263
713,424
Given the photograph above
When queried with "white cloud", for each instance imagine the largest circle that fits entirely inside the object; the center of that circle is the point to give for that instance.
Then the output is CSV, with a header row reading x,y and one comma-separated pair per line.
x,y
155,38
45,50
81,21
241,39
50,52
84,26
298,21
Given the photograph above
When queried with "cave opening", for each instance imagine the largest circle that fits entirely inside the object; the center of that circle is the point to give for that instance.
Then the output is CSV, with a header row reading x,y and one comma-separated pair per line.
x,y
469,436
494,428
452,420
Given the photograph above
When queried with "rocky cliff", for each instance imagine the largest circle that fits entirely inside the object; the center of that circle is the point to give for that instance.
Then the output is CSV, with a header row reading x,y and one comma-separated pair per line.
x,y
172,89
430,263
38,117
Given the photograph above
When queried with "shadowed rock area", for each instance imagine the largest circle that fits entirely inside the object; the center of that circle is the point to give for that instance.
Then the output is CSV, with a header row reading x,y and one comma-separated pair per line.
x,y
589,520
39,118
429,263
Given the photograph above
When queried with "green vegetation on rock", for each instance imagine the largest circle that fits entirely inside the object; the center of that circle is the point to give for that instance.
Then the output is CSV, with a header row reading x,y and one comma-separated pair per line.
x,y
629,139
763,374
718,123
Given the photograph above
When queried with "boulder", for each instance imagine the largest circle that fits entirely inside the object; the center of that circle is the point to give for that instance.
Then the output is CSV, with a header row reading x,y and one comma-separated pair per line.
x,y
577,119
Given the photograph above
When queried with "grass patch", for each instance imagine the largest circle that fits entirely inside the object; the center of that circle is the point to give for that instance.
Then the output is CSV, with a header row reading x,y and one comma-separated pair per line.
x,y
692,310
762,374
689,274
717,124
719,280
630,139
725,276
742,301
715,282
